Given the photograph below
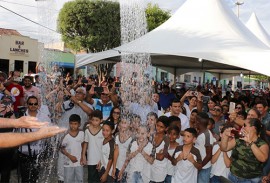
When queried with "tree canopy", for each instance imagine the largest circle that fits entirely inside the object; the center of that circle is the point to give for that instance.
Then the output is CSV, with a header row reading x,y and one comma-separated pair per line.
x,y
94,26
155,16
90,25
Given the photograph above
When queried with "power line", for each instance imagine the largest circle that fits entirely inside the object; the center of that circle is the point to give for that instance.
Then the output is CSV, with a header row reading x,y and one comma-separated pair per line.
x,y
26,5
28,19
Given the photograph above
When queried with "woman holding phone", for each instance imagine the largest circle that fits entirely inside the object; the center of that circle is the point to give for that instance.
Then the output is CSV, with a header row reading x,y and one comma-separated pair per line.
x,y
249,152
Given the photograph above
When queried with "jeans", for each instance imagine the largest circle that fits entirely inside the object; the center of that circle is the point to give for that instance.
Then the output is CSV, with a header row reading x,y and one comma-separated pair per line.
x,y
124,177
136,177
73,174
266,168
218,179
236,179
204,175
168,179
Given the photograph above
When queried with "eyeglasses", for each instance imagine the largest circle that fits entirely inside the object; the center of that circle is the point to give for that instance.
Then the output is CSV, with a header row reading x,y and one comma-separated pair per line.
x,y
116,113
216,109
33,104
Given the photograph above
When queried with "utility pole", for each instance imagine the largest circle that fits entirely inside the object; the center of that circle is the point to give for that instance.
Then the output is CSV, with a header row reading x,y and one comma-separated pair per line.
x,y
238,4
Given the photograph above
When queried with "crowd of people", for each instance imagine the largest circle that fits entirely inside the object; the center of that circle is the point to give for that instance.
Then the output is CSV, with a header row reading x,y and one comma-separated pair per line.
x,y
190,135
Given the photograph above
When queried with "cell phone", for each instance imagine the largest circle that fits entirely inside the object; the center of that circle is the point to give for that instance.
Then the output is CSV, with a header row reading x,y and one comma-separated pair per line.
x,y
205,99
237,134
117,84
232,107
84,81
98,89
88,87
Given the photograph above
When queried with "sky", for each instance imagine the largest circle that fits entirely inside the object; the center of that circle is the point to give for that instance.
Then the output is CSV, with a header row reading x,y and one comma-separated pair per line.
x,y
45,13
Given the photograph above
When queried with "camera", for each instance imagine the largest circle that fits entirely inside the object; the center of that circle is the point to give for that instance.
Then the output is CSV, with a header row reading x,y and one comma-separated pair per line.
x,y
194,93
21,111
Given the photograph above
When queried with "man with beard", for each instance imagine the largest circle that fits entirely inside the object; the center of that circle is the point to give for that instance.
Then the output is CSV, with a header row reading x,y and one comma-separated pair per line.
x,y
29,89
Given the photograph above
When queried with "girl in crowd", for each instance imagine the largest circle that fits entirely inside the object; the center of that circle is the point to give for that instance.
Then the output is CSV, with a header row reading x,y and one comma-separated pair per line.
x,y
173,133
107,152
160,143
220,161
122,140
248,152
151,123
140,157
115,118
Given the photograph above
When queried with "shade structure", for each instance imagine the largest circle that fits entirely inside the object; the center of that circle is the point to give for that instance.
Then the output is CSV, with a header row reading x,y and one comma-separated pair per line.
x,y
257,29
206,29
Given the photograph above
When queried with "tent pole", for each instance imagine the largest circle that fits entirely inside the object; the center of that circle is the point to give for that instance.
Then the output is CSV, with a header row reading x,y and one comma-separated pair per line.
x,y
249,78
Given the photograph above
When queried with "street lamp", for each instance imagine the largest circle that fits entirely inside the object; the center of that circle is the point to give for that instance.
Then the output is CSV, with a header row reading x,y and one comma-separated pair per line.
x,y
238,4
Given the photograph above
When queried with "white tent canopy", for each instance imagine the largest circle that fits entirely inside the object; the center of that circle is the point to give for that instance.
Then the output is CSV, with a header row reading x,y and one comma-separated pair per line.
x,y
257,29
206,29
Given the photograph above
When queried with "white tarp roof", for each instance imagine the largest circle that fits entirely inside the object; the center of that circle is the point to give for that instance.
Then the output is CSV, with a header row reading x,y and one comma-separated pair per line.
x,y
256,28
205,29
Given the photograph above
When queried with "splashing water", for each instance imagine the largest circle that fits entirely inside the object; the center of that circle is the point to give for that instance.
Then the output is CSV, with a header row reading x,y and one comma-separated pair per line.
x,y
136,69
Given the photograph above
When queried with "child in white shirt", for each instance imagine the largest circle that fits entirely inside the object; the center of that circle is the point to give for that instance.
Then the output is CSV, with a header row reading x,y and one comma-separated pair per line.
x,y
140,157
71,148
187,159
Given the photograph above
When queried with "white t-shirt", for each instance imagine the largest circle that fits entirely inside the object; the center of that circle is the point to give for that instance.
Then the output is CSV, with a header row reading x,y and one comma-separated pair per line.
x,y
184,120
219,168
94,150
107,154
73,146
203,140
159,168
123,147
170,167
139,163
185,171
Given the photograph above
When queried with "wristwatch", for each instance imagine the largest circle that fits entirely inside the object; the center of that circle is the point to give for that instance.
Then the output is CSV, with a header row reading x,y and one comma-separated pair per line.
x,y
250,144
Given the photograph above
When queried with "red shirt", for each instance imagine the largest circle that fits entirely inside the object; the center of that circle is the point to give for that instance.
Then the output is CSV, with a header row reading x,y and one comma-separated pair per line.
x,y
17,91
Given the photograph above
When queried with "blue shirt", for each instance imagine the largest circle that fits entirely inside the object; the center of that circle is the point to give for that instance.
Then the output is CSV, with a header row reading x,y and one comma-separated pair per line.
x,y
166,100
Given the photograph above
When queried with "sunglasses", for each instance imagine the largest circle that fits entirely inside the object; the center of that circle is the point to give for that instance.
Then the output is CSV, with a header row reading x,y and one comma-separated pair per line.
x,y
33,104
116,113
216,109
238,107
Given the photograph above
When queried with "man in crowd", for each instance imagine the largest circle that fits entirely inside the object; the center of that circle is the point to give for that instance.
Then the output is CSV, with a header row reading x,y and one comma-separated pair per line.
x,y
166,97
175,110
28,153
16,90
106,102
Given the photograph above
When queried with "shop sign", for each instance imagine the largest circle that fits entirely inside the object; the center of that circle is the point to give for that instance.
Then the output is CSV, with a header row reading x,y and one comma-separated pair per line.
x,y
19,48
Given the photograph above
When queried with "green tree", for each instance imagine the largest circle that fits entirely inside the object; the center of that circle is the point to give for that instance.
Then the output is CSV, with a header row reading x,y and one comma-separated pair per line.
x,y
155,16
94,26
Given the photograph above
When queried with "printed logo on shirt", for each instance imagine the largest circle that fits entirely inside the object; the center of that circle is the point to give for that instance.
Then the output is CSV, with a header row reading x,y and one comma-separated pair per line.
x,y
15,91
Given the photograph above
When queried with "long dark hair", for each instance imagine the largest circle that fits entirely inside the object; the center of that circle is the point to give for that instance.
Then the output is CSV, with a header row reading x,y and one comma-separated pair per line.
x,y
260,128
110,118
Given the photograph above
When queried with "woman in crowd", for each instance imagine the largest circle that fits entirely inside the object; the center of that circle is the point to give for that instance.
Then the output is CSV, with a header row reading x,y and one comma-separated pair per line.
x,y
115,118
249,152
